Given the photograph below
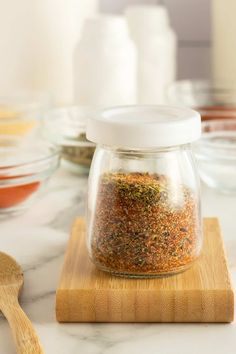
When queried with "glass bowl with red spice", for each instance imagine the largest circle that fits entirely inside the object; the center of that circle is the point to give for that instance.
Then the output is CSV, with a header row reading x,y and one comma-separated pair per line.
x,y
25,167
212,99
144,216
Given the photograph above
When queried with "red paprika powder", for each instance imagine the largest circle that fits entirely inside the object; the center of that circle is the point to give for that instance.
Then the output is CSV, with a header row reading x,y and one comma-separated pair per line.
x,y
11,196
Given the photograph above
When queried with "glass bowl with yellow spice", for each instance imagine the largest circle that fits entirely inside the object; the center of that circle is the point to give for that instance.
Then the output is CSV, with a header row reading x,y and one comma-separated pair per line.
x,y
25,167
66,127
144,215
21,113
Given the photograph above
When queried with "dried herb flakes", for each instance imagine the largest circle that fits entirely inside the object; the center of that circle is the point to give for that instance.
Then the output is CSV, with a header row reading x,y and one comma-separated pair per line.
x,y
144,225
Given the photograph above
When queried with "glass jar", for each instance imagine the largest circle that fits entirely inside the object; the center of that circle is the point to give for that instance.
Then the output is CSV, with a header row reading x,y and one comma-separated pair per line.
x,y
144,215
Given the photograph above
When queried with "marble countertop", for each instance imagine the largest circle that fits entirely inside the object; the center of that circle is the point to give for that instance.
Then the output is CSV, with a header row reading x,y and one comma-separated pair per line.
x,y
38,239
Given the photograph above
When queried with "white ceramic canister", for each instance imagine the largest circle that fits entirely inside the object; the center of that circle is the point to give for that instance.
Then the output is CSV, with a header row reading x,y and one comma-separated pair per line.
x,y
105,63
59,23
224,42
156,44
37,40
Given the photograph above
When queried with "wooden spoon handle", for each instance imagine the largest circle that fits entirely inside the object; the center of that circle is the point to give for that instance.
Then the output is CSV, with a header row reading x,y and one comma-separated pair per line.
x,y
26,339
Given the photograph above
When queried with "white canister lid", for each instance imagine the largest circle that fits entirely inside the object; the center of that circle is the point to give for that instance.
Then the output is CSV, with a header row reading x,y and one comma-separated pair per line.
x,y
137,127
105,26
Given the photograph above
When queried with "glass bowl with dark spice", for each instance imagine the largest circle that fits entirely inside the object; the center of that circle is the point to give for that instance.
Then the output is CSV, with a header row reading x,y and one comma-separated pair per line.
x,y
66,127
25,167
144,216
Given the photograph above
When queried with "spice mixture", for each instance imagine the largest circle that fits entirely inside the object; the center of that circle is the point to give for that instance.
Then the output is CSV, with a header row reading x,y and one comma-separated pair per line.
x,y
213,112
13,123
144,225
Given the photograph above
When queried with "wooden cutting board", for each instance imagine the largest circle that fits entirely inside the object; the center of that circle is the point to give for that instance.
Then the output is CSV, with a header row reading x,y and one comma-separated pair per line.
x,y
201,294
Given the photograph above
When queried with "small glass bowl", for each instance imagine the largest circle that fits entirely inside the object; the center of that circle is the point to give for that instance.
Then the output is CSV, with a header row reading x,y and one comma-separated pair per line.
x,y
213,100
25,166
216,154
66,127
21,112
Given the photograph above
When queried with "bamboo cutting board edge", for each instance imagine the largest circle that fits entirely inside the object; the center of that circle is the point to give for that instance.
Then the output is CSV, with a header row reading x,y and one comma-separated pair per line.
x,y
94,296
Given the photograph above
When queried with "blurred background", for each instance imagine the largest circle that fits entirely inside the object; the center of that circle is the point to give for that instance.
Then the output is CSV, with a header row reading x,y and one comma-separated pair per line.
x,y
93,54
37,34
191,19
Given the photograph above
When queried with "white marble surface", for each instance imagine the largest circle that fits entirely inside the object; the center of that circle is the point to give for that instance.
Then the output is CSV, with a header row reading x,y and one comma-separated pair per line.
x,y
38,240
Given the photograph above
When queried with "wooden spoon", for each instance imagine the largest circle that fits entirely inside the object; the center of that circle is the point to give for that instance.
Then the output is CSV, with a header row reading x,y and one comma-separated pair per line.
x,y
11,282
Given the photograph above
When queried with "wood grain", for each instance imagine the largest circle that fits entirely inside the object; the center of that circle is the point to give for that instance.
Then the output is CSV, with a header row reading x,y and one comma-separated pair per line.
x,y
201,294
11,282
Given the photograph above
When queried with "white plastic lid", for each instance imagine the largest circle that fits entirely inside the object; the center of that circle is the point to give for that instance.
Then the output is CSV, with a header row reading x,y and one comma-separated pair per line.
x,y
101,26
137,127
